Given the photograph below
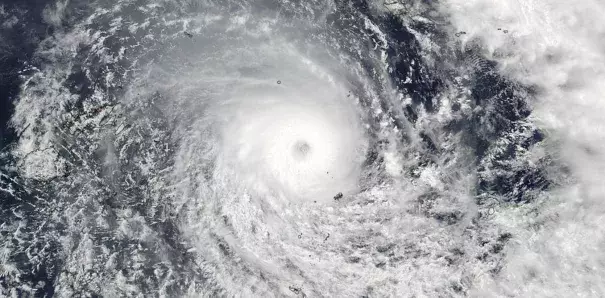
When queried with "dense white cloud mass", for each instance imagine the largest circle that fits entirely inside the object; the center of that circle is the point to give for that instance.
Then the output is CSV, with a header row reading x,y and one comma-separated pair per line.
x,y
558,47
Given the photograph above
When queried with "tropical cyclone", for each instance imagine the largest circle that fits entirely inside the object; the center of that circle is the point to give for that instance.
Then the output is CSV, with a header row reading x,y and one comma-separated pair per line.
x,y
241,149
305,148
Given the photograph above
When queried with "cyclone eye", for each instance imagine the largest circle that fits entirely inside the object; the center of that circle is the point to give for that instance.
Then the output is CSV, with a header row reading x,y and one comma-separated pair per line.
x,y
301,151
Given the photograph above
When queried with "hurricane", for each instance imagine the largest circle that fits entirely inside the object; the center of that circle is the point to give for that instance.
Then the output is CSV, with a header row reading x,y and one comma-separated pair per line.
x,y
289,148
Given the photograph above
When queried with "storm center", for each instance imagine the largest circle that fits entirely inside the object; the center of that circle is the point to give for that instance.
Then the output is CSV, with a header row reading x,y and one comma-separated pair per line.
x,y
301,150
